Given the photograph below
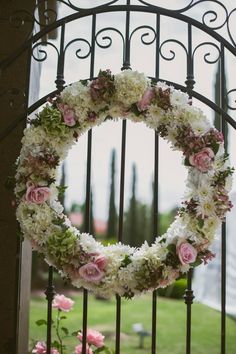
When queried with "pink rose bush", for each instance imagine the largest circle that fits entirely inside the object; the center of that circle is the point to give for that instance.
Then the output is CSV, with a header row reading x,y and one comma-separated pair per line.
x,y
203,159
79,348
93,338
41,348
35,194
62,303
186,252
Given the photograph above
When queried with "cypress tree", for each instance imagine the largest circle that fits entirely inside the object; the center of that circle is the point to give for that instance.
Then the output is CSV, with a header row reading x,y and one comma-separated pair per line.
x,y
132,236
91,216
143,223
112,214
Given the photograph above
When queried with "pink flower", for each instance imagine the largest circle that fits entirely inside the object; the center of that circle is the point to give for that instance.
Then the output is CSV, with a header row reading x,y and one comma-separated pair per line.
x,y
68,113
93,337
186,252
91,272
101,262
62,303
78,349
202,160
54,351
37,195
41,348
146,99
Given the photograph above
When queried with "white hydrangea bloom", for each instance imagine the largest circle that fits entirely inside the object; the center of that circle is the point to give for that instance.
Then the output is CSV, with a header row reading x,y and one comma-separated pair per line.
x,y
130,86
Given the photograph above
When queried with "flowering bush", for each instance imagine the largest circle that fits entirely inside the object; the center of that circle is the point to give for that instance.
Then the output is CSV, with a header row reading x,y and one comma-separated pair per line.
x,y
120,269
94,341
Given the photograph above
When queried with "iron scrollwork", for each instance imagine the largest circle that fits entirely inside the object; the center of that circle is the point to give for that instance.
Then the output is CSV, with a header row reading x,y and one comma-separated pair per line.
x,y
144,36
208,54
229,106
41,55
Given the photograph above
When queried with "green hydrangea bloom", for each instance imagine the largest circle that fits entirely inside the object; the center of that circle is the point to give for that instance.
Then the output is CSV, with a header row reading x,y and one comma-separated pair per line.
x,y
61,247
51,120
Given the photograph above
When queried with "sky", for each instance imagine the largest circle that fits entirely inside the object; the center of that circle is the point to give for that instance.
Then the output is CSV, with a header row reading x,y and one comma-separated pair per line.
x,y
140,140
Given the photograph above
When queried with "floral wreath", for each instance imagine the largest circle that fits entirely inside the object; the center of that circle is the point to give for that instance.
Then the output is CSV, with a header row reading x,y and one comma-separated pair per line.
x,y
121,269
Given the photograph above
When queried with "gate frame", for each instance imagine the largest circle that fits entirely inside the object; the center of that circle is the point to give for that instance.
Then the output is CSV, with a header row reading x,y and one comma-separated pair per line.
x,y
31,43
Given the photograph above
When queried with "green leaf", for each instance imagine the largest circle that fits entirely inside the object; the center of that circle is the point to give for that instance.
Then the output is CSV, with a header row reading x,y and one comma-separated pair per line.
x,y
75,333
186,162
61,191
63,317
84,82
215,147
134,109
56,344
41,322
171,248
196,263
65,330
125,261
200,223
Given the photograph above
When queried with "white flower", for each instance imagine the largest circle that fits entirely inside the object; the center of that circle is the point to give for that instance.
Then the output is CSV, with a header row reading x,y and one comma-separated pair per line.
x,y
178,98
130,86
206,208
89,244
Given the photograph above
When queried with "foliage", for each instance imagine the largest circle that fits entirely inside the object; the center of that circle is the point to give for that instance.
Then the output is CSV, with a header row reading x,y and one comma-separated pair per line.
x,y
112,213
171,316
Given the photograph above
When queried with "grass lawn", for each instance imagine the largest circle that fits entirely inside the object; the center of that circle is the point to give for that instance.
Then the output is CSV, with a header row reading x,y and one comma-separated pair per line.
x,y
171,315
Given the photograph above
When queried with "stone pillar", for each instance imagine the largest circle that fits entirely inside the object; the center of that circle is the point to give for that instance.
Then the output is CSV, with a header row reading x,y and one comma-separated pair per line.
x,y
13,96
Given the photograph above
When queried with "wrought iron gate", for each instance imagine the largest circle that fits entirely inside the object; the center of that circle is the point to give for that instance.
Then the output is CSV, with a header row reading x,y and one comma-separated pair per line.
x,y
215,21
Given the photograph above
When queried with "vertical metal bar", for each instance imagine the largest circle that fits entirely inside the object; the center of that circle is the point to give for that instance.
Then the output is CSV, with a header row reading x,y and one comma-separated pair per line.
x,y
155,230
155,191
126,65
87,229
49,292
88,190
188,301
61,61
223,229
126,59
189,292
190,69
120,228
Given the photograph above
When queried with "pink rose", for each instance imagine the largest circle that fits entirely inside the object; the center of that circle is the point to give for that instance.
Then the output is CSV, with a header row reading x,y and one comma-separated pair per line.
x,y
91,272
37,195
146,99
68,113
186,253
62,303
41,348
78,349
93,337
202,160
101,262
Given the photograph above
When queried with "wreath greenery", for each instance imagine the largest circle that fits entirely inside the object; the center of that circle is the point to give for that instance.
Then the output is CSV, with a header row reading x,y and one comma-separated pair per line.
x,y
121,269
